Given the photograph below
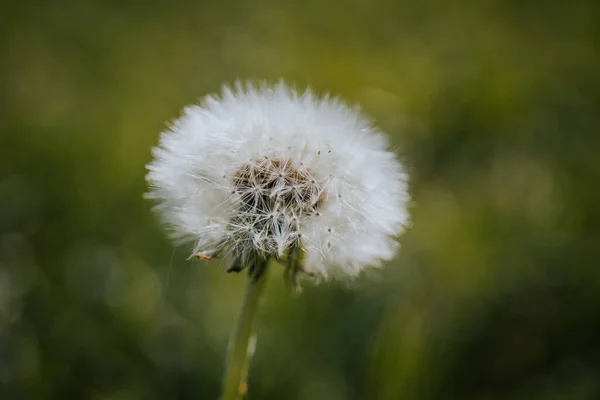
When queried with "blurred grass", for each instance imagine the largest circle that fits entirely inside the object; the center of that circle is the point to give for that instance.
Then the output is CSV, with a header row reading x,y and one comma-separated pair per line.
x,y
493,106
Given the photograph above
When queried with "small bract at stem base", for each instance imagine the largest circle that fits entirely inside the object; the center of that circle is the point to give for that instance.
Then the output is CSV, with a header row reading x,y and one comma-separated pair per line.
x,y
238,352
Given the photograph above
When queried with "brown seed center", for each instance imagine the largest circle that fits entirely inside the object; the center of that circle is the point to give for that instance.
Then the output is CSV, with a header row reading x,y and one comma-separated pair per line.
x,y
277,186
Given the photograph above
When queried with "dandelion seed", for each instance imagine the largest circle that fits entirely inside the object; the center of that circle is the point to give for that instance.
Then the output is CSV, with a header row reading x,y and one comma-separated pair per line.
x,y
250,162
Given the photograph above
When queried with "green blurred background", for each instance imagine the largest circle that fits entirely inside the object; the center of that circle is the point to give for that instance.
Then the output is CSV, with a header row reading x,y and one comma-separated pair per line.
x,y
493,105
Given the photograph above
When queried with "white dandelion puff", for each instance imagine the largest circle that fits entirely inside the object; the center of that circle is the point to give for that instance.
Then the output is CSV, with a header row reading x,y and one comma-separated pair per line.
x,y
267,170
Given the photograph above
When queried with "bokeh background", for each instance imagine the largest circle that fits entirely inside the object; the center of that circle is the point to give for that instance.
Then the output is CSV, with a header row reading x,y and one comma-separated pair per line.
x,y
494,106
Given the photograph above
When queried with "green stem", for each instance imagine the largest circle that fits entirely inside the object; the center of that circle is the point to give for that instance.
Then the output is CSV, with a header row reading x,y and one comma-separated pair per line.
x,y
234,382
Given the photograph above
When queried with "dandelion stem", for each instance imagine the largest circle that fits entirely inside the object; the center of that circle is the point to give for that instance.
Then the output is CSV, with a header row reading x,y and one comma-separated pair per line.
x,y
238,350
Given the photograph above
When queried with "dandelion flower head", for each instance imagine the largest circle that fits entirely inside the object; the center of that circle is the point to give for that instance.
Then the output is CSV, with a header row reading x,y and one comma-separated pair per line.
x,y
265,170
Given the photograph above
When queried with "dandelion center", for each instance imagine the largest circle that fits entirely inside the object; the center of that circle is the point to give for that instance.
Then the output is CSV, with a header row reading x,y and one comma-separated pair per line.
x,y
274,197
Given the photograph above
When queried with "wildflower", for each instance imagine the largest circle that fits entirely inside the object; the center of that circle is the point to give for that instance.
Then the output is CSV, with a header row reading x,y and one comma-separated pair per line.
x,y
269,172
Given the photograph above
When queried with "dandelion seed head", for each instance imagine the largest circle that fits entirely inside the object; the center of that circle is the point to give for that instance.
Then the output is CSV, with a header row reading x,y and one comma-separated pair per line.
x,y
262,170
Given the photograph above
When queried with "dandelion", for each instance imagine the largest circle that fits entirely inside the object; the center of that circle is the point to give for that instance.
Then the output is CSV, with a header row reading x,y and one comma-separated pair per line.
x,y
265,172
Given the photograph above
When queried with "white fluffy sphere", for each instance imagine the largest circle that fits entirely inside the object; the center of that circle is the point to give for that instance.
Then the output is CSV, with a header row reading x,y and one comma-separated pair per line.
x,y
263,170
